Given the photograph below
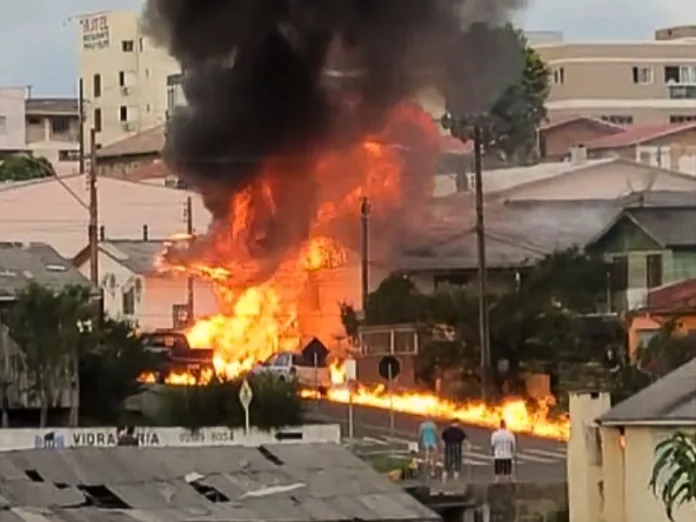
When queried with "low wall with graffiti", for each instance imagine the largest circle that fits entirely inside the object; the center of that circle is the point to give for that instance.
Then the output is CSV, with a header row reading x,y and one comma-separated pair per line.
x,y
24,439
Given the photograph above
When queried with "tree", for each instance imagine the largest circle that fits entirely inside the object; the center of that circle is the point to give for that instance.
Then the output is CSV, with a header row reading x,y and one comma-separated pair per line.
x,y
516,116
276,403
23,167
109,371
509,127
46,327
673,479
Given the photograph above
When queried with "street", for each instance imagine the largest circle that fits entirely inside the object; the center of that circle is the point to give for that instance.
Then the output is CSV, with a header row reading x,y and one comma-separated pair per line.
x,y
539,460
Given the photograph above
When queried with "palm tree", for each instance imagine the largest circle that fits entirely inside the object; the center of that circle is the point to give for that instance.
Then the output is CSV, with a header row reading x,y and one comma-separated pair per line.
x,y
674,472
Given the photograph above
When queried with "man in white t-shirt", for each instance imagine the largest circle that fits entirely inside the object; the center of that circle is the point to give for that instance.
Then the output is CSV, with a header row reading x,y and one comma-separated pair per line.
x,y
504,447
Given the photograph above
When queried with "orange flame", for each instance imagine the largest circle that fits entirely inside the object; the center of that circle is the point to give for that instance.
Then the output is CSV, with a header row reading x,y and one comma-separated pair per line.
x,y
261,306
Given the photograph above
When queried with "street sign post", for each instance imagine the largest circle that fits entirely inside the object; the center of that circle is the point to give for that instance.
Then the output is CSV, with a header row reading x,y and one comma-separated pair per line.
x,y
351,381
245,397
389,369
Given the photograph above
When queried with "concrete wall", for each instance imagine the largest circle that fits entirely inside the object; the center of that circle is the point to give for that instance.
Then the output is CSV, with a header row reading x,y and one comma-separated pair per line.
x,y
12,122
585,457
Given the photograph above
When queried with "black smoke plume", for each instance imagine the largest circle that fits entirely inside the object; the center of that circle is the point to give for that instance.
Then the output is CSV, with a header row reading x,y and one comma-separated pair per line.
x,y
270,79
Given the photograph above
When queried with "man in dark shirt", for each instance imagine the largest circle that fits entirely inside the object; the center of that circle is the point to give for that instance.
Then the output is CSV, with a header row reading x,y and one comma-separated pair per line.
x,y
453,437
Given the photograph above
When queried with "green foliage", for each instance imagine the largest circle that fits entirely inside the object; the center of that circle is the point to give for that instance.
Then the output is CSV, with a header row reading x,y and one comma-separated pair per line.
x,y
109,371
673,478
48,329
509,128
22,167
667,351
275,404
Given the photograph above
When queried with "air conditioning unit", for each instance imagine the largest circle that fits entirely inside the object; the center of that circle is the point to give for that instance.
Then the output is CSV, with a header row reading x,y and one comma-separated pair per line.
x,y
125,90
171,181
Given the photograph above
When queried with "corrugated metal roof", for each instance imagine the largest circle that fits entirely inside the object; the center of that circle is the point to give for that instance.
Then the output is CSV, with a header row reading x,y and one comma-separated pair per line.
x,y
24,263
321,482
671,399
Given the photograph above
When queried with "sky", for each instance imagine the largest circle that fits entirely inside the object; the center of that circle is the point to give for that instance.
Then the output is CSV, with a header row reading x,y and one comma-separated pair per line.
x,y
38,40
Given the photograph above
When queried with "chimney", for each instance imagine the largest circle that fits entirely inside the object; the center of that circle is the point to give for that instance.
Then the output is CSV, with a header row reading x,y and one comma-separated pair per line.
x,y
146,233
578,154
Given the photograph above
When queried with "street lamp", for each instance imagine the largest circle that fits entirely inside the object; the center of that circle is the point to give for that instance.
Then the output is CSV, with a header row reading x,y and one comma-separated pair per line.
x,y
465,129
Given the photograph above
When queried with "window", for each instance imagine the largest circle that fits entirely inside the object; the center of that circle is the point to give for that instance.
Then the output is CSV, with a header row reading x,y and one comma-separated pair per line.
x,y
618,119
283,360
96,85
129,302
121,79
653,270
148,108
147,73
33,120
3,124
140,44
682,118
127,46
97,120
123,113
642,75
559,76
68,155
619,273
60,125
680,74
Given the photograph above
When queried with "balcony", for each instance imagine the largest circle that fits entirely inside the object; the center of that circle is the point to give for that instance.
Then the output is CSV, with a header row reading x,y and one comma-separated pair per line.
x,y
682,92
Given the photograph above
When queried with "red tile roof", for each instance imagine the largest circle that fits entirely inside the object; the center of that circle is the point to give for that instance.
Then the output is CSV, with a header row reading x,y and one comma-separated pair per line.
x,y
636,135
552,124
673,297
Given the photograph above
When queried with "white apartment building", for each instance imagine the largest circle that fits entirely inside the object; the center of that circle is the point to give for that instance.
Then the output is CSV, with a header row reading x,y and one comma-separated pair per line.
x,y
124,76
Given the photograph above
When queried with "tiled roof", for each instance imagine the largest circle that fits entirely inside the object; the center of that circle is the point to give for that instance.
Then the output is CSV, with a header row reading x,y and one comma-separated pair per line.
x,y
24,263
322,482
675,296
552,124
138,256
518,233
57,106
669,401
636,135
150,141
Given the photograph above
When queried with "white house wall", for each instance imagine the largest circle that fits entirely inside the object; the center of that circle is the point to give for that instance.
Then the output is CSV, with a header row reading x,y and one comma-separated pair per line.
x,y
160,294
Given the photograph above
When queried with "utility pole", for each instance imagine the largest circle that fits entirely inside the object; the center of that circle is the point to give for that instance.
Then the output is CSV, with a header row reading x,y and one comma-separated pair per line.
x,y
364,262
484,334
189,231
93,210
81,123
462,128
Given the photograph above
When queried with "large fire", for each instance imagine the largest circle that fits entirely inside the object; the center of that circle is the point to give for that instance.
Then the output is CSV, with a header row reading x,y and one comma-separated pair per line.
x,y
260,304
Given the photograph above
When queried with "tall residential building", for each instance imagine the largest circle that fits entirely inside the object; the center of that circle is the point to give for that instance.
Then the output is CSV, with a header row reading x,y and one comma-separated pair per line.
x,y
124,76
625,82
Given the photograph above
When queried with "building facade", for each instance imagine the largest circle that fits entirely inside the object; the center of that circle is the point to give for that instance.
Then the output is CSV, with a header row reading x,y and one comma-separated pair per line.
x,y
124,76
12,122
52,132
624,83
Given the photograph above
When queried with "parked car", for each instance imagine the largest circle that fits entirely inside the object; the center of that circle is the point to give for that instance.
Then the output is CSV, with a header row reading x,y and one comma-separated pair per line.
x,y
290,365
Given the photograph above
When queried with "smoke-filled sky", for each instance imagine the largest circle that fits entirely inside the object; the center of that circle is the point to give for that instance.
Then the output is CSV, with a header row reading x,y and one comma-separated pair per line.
x,y
37,41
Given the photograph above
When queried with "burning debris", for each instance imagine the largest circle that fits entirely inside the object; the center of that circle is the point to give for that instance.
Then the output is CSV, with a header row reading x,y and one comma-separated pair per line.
x,y
297,110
